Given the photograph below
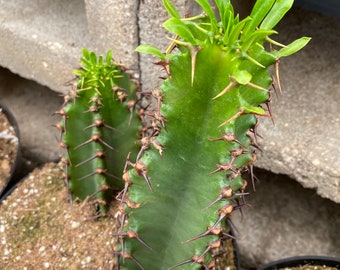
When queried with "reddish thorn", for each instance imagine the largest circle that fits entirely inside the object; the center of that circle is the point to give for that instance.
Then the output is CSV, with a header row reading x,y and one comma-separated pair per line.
x,y
180,264
61,112
141,170
239,113
130,257
225,90
224,167
212,245
223,212
132,234
228,137
225,192
253,176
278,74
99,154
270,112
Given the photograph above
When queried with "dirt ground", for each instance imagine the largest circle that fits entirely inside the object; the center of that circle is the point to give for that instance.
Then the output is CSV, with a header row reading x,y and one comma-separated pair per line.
x,y
40,229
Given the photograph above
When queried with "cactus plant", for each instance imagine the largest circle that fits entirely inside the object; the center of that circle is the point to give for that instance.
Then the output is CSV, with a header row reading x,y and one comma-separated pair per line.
x,y
99,128
188,176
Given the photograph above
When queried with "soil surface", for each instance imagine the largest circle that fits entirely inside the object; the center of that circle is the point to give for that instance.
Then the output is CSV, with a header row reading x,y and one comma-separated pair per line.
x,y
8,148
40,229
310,267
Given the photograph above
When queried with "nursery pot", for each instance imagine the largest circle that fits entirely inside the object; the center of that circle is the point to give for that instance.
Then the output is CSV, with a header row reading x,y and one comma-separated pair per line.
x,y
304,260
6,137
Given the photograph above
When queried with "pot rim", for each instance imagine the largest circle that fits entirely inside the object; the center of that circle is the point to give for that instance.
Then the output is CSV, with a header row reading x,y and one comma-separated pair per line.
x,y
301,260
17,165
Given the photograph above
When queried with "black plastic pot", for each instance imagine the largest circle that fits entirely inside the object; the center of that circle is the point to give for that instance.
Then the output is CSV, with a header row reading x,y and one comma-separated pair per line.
x,y
16,169
299,261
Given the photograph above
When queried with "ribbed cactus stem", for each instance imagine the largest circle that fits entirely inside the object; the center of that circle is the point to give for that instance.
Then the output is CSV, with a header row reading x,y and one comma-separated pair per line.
x,y
99,127
188,176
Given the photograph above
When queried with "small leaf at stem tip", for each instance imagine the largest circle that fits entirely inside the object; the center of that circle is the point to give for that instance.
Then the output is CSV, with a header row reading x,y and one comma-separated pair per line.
x,y
108,57
171,9
254,110
148,49
176,26
93,58
210,12
86,53
242,76
78,72
276,13
293,47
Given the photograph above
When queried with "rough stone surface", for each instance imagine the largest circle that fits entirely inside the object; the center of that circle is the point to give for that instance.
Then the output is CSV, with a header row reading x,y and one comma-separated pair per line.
x,y
304,141
283,220
113,25
42,40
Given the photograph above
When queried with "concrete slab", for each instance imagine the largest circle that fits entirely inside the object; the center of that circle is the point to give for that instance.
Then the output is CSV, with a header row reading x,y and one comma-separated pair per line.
x,y
283,220
113,25
42,40
303,143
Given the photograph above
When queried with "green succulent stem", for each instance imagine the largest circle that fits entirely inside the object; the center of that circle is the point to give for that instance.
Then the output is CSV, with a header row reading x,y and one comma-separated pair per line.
x,y
188,177
99,128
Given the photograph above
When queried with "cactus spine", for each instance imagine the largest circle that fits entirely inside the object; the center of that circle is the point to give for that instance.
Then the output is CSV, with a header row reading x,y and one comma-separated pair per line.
x,y
188,176
99,128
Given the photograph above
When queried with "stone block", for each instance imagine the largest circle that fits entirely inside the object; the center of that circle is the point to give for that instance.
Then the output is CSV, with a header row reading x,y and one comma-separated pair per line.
x,y
282,220
113,25
303,142
42,40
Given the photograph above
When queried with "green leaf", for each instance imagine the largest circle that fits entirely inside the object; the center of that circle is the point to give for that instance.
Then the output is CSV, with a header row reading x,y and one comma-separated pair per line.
x,y
236,31
255,37
254,110
148,49
93,58
108,57
293,47
100,60
78,72
208,9
225,8
176,26
242,76
228,25
259,11
171,9
276,13
86,53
